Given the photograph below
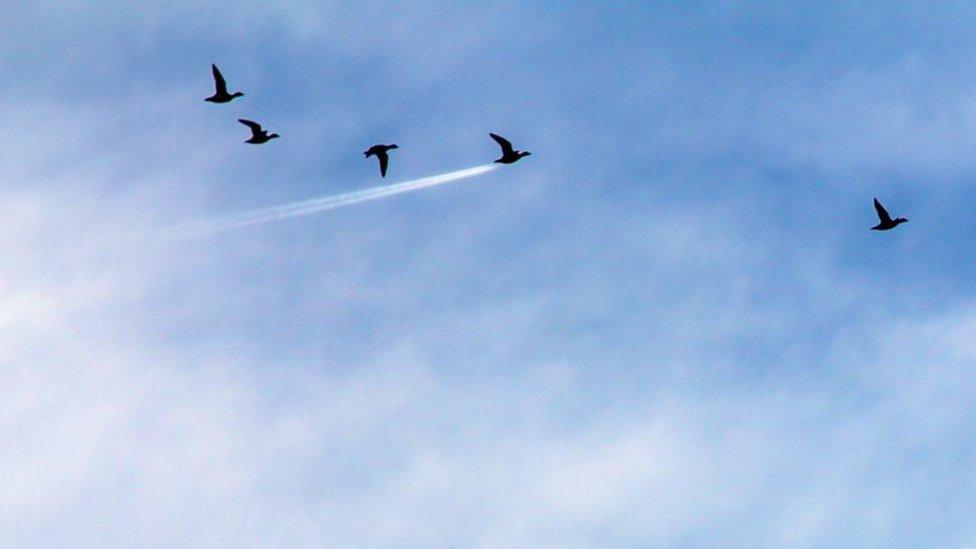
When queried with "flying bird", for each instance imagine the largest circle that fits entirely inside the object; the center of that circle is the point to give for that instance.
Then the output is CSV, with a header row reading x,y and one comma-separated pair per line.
x,y
380,151
887,223
509,155
258,135
221,95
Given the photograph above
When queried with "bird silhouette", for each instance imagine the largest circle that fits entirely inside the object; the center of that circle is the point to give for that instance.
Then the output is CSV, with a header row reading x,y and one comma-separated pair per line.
x,y
221,95
509,155
258,135
380,152
887,223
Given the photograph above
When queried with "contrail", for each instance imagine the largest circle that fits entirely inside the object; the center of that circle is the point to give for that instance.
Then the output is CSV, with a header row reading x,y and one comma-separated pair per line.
x,y
306,207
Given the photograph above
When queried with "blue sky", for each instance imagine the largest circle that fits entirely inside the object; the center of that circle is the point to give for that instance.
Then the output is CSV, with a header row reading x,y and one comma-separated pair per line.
x,y
669,326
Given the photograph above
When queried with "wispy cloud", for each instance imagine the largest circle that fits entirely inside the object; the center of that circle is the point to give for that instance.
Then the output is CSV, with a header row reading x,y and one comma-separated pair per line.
x,y
667,324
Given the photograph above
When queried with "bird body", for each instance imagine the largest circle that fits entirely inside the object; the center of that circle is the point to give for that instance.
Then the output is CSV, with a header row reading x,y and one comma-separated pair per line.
x,y
509,154
258,135
220,94
381,153
886,223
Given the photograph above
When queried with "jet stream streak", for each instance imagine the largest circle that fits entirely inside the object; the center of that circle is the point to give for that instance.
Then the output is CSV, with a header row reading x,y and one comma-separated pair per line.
x,y
274,213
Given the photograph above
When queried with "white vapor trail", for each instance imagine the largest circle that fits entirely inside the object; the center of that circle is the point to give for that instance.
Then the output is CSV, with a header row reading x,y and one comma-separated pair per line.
x,y
306,207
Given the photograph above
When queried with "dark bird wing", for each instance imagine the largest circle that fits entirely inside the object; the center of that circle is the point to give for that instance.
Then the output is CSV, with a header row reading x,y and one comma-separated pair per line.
x,y
384,160
255,127
882,212
504,143
219,81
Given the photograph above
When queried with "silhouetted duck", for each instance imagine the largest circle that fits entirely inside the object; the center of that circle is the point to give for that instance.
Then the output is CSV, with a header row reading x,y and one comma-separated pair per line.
x,y
509,155
380,151
221,95
258,135
887,223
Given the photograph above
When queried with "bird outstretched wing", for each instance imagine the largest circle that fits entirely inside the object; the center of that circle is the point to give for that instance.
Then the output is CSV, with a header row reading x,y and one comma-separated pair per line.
x,y
255,127
384,160
504,143
219,81
882,212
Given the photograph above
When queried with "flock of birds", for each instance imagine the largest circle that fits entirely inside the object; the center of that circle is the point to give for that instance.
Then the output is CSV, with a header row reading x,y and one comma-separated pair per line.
x,y
382,152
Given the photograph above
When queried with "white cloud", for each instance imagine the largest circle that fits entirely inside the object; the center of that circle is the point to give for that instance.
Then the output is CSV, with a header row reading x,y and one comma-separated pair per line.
x,y
540,363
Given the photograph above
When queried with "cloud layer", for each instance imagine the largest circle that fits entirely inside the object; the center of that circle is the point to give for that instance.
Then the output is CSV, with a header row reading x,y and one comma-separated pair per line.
x,y
668,326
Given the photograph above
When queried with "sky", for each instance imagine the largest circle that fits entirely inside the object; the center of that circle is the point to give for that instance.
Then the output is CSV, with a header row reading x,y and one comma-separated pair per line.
x,y
668,327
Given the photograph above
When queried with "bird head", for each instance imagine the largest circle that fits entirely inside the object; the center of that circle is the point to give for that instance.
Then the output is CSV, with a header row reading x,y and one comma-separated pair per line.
x,y
524,153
